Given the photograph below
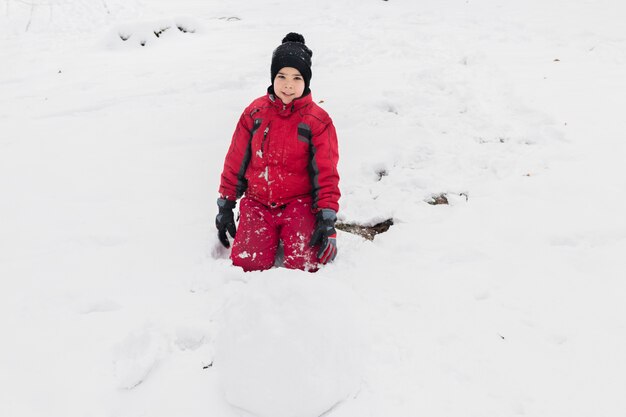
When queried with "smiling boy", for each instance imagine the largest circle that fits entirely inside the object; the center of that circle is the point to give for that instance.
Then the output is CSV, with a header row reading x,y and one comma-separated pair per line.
x,y
283,161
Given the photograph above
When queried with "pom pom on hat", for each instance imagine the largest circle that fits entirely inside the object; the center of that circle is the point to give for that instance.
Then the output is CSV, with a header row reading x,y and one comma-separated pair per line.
x,y
295,54
294,37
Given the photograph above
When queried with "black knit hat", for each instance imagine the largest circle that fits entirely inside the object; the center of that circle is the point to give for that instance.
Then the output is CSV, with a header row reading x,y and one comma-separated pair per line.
x,y
295,54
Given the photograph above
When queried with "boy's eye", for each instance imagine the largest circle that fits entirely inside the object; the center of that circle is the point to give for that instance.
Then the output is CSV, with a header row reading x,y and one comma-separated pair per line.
x,y
297,78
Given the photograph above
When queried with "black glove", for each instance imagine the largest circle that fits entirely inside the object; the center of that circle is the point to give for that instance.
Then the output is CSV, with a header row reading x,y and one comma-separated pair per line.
x,y
325,235
225,220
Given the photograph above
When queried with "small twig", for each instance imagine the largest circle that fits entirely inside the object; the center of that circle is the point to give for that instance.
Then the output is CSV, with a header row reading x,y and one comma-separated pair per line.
x,y
30,18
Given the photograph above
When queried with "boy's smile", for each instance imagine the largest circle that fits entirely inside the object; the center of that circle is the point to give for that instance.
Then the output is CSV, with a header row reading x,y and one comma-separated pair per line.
x,y
288,85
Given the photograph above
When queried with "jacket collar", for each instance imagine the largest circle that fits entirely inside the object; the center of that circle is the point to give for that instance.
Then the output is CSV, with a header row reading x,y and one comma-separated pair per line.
x,y
292,107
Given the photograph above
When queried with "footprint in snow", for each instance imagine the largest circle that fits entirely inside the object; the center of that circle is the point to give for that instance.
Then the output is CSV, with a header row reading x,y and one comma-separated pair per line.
x,y
138,356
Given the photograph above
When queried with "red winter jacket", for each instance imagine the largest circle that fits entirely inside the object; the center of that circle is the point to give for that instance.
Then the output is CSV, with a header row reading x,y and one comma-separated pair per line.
x,y
280,153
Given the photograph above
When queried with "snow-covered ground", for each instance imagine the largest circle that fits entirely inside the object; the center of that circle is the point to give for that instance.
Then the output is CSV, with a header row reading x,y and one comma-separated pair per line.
x,y
116,299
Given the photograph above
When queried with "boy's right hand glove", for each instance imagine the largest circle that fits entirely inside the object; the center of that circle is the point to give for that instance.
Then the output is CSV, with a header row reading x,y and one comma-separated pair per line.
x,y
325,235
225,220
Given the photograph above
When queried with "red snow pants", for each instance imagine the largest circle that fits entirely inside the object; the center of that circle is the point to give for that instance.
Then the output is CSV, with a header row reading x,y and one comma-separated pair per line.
x,y
261,228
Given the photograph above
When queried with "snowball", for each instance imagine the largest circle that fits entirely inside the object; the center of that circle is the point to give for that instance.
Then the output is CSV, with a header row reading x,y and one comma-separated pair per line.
x,y
291,344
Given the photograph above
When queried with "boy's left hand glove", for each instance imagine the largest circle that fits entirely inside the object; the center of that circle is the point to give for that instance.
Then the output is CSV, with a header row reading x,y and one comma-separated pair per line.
x,y
325,235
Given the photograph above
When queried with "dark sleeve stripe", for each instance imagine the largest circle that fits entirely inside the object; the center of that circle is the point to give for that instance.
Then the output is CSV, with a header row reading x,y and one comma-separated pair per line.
x,y
242,183
305,135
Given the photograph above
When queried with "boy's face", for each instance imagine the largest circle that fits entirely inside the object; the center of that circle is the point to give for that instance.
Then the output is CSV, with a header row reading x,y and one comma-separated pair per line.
x,y
288,84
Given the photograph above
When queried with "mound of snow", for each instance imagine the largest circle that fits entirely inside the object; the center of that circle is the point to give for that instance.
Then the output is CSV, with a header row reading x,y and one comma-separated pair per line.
x,y
291,345
142,33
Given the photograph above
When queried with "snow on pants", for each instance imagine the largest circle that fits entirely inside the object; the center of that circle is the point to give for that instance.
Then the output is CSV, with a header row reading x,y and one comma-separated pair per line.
x,y
261,228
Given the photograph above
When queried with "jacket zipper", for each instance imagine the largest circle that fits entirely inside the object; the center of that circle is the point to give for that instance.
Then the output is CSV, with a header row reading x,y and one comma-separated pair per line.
x,y
267,129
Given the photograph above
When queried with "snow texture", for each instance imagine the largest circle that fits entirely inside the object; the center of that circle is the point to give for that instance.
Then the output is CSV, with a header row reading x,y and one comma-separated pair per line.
x,y
291,345
117,300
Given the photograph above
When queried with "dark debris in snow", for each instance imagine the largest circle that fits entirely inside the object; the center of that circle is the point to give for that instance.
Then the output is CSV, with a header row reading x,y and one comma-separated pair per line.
x,y
368,232
442,198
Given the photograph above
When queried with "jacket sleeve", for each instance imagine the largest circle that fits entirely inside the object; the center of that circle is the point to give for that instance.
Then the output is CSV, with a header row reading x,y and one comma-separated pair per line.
x,y
323,168
233,182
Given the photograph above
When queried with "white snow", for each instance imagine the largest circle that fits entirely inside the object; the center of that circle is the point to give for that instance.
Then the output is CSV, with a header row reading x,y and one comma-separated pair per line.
x,y
116,298
291,344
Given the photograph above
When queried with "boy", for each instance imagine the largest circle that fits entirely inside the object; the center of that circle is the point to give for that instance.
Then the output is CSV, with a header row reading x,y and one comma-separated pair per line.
x,y
283,161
